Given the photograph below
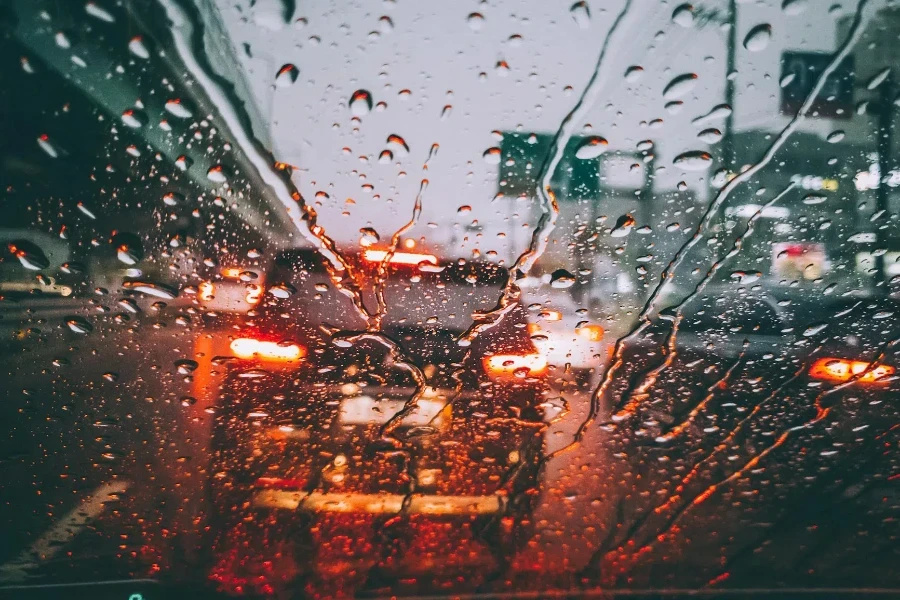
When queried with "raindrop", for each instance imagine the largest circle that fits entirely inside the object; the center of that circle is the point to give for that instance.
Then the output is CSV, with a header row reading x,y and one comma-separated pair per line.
x,y
492,156
183,162
814,329
62,40
710,136
79,325
581,14
835,136
561,279
445,112
758,38
129,304
680,86
464,209
475,21
693,160
623,226
72,268
96,11
188,401
385,24
502,68
216,174
26,65
128,248
644,145
633,73
110,376
137,47
683,15
172,199
30,255
85,210
368,236
134,118
878,79
793,8
592,147
282,290
360,103
286,75
271,14
397,145
746,277
385,157
177,108
151,288
814,199
787,79
718,112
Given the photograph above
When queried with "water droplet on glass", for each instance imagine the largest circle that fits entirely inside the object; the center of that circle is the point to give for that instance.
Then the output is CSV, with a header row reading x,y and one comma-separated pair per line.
x,y
282,290
271,14
172,199
464,209
718,112
134,118
360,103
137,47
814,329
30,255
758,38
793,7
561,279
177,108
680,86
385,157
746,277
492,156
110,376
633,73
592,147
814,199
81,206
693,160
710,136
397,145
286,75
96,11
79,325
151,288
385,24
502,68
188,401
623,226
446,111
72,268
368,236
62,40
128,248
183,162
581,14
216,174
475,21
835,136
878,78
787,79
683,15
129,304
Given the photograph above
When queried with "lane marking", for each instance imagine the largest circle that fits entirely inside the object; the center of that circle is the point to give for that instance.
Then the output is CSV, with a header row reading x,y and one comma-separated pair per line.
x,y
65,530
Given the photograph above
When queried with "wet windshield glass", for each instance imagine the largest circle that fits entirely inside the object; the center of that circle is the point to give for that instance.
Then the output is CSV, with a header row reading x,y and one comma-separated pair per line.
x,y
395,298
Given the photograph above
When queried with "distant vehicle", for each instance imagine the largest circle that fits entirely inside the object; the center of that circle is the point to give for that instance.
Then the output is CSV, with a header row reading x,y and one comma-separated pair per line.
x,y
311,425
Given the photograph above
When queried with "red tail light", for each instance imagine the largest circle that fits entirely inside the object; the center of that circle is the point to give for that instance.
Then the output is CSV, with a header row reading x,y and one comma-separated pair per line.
x,y
400,258
279,483
261,350
840,370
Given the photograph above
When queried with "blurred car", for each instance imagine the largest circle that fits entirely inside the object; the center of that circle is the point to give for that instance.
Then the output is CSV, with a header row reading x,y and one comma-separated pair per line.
x,y
564,332
316,428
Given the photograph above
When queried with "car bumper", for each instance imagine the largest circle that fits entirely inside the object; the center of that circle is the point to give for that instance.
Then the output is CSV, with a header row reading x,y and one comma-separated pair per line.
x,y
426,504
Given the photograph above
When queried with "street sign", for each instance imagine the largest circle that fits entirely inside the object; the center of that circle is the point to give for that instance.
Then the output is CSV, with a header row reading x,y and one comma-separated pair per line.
x,y
521,156
799,73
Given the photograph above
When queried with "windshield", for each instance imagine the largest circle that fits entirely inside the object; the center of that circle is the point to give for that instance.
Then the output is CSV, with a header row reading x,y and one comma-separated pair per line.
x,y
436,299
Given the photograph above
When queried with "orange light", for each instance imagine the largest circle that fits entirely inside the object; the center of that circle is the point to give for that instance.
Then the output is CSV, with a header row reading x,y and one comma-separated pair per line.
x,y
207,291
534,329
515,364
409,243
593,333
400,258
839,369
231,272
250,348
551,315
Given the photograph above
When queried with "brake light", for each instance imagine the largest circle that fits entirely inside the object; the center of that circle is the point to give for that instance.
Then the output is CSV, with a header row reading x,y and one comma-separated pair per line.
x,y
839,369
231,272
534,329
400,258
251,348
515,364
280,483
592,333
551,315
207,291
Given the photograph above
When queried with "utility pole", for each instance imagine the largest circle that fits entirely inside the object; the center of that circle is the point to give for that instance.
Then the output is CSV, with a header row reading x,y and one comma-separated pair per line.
x,y
885,164
730,76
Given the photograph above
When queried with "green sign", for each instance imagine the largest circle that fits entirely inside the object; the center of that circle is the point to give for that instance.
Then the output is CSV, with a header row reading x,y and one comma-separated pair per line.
x,y
522,155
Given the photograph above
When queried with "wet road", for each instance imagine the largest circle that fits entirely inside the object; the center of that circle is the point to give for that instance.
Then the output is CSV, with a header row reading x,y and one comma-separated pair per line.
x,y
110,447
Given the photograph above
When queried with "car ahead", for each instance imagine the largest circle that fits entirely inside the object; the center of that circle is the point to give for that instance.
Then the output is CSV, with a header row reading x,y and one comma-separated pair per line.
x,y
388,475
727,343
564,333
